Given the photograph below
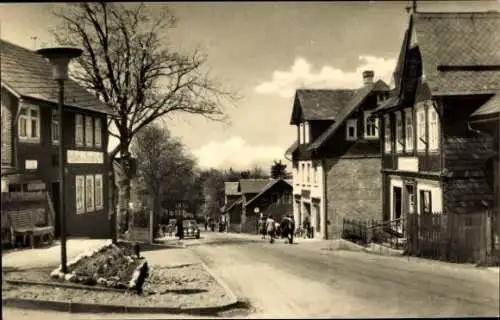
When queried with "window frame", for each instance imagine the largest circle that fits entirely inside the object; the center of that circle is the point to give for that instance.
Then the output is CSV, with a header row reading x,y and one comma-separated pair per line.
x,y
28,118
351,123
89,191
421,124
409,129
79,130
54,127
97,132
306,132
303,175
399,131
387,134
89,132
422,194
98,206
373,122
433,129
80,180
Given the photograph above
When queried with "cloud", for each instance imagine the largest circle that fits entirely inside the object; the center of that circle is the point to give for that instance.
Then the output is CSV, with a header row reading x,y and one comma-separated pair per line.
x,y
300,75
236,153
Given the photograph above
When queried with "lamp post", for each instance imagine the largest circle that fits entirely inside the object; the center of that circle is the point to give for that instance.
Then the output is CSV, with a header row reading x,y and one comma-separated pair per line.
x,y
60,58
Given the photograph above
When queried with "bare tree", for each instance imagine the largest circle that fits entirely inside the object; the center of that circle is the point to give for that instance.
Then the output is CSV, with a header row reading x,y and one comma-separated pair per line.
x,y
162,163
127,64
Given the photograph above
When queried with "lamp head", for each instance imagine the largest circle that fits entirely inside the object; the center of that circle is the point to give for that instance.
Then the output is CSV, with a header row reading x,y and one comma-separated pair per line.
x,y
60,57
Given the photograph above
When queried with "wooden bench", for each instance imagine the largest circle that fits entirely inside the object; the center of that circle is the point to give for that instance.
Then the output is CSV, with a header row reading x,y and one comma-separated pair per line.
x,y
22,224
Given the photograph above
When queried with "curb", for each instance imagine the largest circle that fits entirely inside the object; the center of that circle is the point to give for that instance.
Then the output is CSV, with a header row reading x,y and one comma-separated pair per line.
x,y
73,307
222,283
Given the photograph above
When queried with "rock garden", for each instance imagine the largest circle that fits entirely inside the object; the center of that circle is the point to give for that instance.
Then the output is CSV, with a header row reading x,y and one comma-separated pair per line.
x,y
116,274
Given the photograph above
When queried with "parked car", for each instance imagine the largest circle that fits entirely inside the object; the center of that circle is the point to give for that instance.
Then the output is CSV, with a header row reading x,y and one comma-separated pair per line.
x,y
191,229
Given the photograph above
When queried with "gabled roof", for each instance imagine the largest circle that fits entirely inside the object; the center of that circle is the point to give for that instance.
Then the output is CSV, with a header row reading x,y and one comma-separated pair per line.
x,y
318,104
356,101
253,185
460,51
231,188
490,109
266,188
29,75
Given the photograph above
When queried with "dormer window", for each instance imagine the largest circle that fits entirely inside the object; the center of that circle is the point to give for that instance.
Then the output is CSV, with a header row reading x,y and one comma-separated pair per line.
x,y
351,132
371,126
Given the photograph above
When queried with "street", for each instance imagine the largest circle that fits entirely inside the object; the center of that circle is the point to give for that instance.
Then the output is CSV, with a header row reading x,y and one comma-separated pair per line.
x,y
282,280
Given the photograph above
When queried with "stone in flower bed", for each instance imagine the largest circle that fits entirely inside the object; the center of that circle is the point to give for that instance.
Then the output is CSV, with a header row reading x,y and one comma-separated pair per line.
x,y
113,266
179,287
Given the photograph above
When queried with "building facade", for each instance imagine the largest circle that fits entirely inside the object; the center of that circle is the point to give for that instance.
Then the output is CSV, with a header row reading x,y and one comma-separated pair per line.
x,y
30,141
433,161
336,162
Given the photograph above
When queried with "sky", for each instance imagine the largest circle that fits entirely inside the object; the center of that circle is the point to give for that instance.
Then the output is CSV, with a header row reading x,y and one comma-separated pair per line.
x,y
264,51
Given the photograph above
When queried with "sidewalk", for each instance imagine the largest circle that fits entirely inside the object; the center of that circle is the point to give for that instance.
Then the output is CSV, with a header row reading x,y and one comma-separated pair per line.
x,y
49,256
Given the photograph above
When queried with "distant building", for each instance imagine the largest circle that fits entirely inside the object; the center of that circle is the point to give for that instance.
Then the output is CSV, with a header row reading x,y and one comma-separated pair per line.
x,y
336,157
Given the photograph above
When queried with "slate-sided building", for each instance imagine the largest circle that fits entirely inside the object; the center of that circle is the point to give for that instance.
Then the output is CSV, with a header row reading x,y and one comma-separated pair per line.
x,y
30,140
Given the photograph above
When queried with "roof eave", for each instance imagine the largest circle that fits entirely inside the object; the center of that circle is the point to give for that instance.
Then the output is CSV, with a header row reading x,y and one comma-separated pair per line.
x,y
10,89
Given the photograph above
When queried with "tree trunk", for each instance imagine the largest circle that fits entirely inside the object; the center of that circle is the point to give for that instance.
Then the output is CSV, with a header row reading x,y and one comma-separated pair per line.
x,y
156,213
125,218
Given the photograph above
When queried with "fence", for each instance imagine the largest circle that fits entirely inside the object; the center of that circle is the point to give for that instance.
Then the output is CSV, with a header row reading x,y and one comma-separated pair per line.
x,y
453,237
389,233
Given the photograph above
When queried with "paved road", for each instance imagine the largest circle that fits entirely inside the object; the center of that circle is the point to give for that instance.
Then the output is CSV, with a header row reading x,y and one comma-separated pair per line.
x,y
282,280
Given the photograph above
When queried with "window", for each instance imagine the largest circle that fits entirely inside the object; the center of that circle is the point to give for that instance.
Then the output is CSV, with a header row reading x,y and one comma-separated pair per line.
x,y
371,126
303,178
29,123
301,133
308,173
97,132
315,174
399,132
433,129
421,141
274,198
89,193
98,191
306,132
387,133
351,133
89,132
425,201
55,127
287,198
79,130
80,194
409,130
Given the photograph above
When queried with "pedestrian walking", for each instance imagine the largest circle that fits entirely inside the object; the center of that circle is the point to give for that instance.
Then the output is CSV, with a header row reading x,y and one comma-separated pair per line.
x,y
307,226
288,228
270,228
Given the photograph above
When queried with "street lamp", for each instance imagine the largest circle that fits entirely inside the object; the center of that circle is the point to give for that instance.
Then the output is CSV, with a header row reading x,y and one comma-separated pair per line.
x,y
60,58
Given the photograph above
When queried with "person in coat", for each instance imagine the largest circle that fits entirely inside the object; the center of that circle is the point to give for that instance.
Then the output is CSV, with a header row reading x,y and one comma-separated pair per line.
x,y
270,228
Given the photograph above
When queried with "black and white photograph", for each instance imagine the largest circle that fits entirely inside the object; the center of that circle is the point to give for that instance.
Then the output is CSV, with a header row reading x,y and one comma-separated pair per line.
x,y
259,160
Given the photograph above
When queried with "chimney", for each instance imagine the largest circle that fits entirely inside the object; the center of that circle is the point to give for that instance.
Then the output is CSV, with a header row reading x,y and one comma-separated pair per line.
x,y
368,77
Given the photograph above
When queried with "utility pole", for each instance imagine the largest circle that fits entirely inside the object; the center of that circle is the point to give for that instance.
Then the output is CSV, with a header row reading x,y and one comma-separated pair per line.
x,y
412,8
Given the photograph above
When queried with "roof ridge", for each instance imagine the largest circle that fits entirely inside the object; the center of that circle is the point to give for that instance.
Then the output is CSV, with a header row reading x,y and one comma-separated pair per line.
x,y
16,45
